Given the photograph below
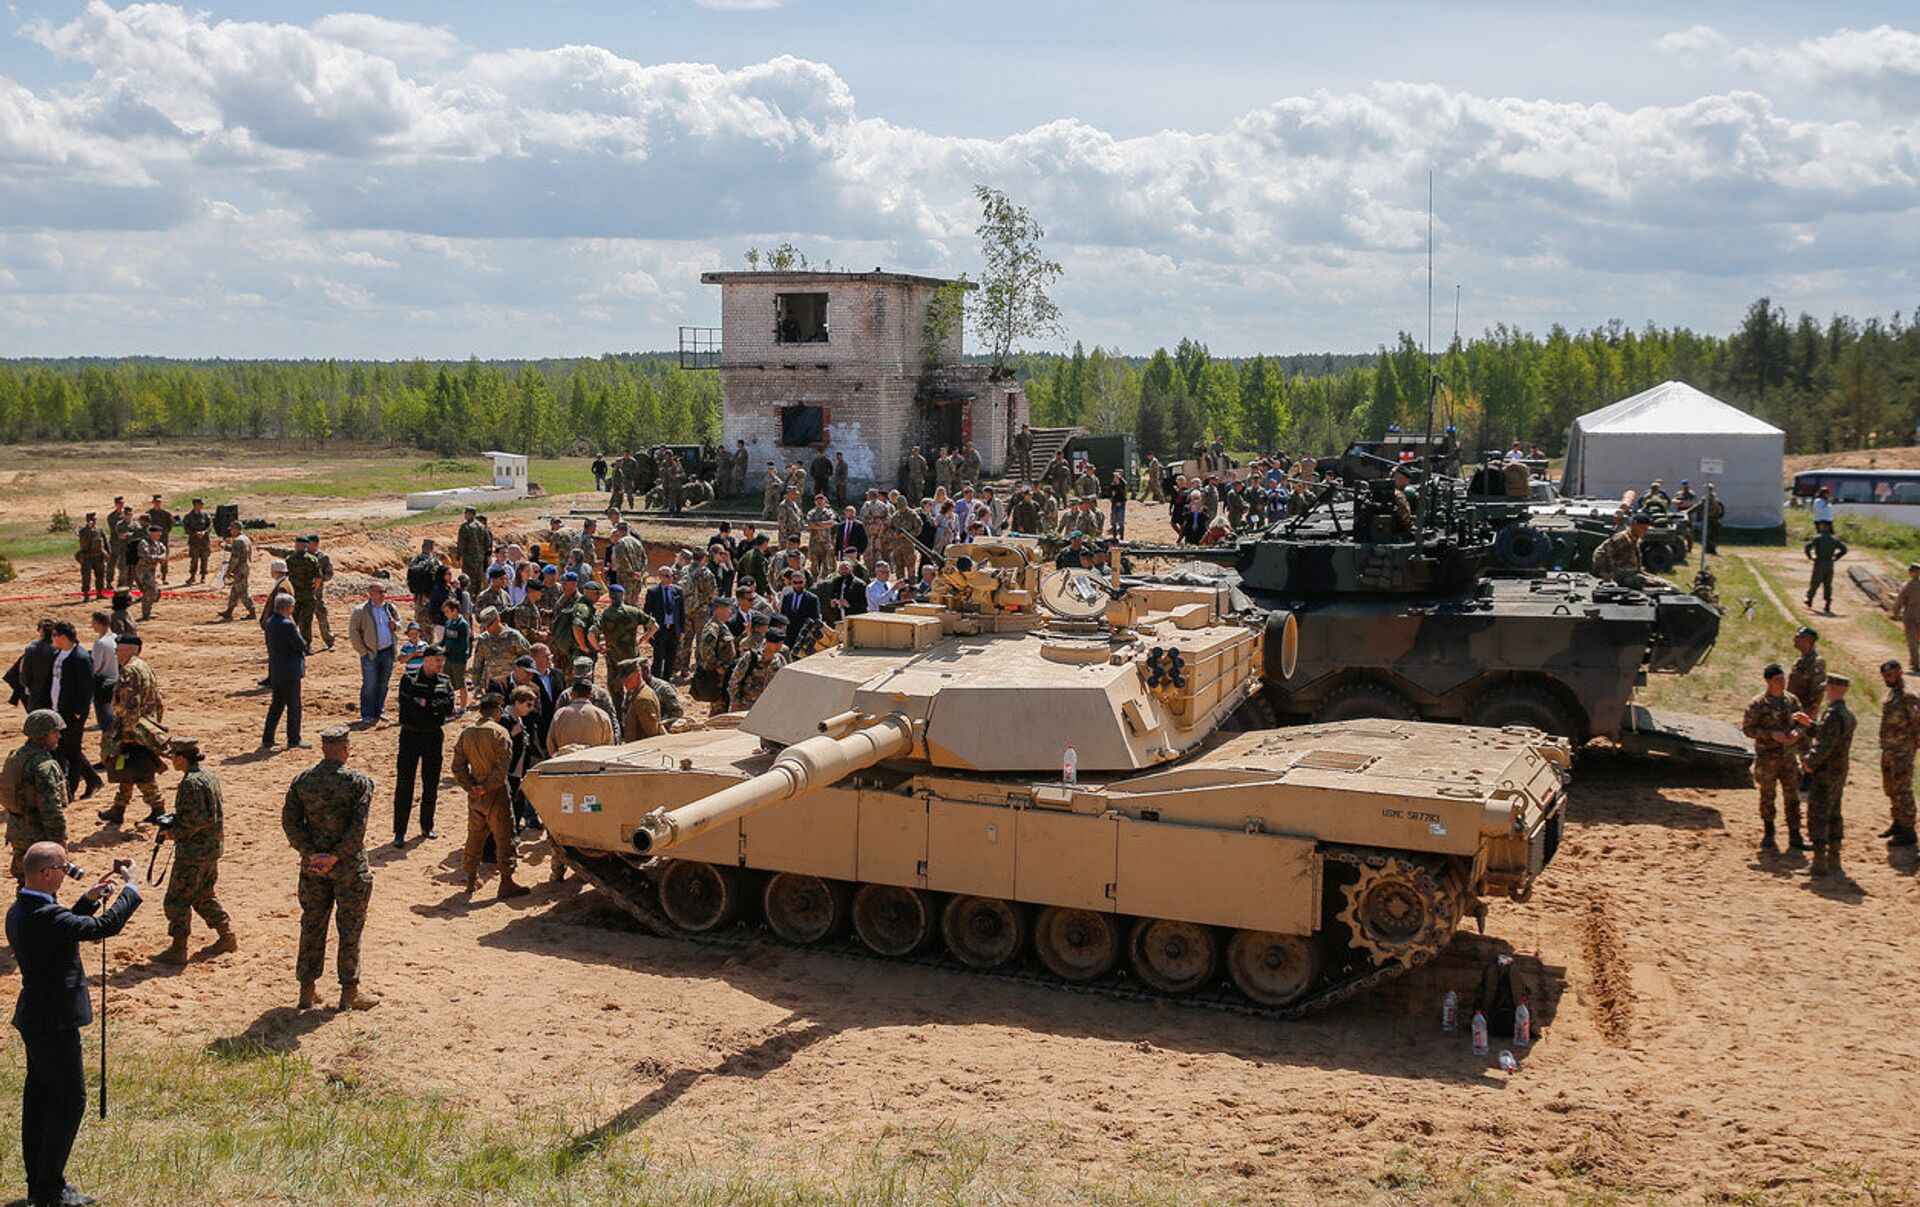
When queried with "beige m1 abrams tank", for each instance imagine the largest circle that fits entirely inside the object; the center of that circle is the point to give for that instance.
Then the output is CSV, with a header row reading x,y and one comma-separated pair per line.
x,y
1050,765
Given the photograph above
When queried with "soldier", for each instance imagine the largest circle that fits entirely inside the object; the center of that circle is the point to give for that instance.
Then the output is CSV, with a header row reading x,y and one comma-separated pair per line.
x,y
303,579
159,517
739,467
970,468
198,526
1906,610
1771,721
564,616
496,596
756,668
1150,476
132,750
1899,735
472,546
422,570
700,592
120,523
1807,680
495,648
325,820
1023,455
1825,767
820,534
1657,499
617,635
481,755
715,652
1823,550
1402,506
599,696
1617,560
37,811
151,566
321,616
916,474
771,493
792,520
627,558
239,574
92,556
640,717
196,827
1024,516
839,480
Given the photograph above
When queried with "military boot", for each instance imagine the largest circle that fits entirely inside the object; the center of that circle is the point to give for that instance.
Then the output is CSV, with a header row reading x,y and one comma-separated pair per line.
x,y
226,941
309,995
510,889
1768,845
473,882
1902,836
1819,867
113,815
352,997
1795,842
176,952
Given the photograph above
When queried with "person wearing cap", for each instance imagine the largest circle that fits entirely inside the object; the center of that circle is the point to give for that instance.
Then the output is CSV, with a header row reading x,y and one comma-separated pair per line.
x,y
38,811
373,630
1825,769
1906,610
426,705
716,649
495,648
482,757
1807,677
472,545
580,722
92,556
601,697
627,559
303,579
148,569
159,517
565,617
119,526
196,829
616,636
498,594
1899,736
238,573
321,616
1617,560
198,525
640,715
1773,723
325,820
133,748
456,638
1823,551
756,668
1823,506
286,668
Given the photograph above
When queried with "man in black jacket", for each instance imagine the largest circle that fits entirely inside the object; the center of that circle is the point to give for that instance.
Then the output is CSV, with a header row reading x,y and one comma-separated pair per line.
x,y
286,666
31,676
71,694
664,604
426,705
45,937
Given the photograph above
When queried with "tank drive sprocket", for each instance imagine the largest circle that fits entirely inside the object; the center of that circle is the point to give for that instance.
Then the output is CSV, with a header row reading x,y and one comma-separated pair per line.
x,y
1400,909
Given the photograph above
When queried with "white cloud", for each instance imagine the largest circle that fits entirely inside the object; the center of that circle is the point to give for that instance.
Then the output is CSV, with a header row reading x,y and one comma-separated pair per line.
x,y
1880,64
1695,39
275,154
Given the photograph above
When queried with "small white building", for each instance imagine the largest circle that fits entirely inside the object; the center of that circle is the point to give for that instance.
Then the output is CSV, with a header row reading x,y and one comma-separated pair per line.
x,y
509,483
1676,433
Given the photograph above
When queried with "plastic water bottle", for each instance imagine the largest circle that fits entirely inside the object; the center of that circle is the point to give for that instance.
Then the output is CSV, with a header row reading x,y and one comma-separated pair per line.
x,y
1507,1063
1479,1033
1070,766
1450,1012
1522,1026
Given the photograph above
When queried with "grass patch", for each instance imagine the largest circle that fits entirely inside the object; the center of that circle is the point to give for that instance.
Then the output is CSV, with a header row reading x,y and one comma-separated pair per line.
x,y
1900,542
1722,685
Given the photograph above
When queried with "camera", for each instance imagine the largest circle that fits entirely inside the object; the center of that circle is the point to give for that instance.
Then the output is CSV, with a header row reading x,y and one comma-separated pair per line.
x,y
166,821
123,867
74,871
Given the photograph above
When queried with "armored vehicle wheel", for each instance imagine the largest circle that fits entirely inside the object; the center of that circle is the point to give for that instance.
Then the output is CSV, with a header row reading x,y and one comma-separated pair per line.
x,y
1400,910
700,897
805,909
984,932
1173,957
1658,558
1522,547
1255,712
1523,705
891,920
1359,701
1272,969
1076,944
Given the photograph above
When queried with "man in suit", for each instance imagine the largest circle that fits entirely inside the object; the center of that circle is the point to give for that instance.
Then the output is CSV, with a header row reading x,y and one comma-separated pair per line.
x,y
798,606
850,536
45,937
286,667
31,676
71,692
665,605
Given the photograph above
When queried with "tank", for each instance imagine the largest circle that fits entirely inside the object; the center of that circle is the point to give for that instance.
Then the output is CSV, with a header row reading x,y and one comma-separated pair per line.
x,y
1415,627
1059,774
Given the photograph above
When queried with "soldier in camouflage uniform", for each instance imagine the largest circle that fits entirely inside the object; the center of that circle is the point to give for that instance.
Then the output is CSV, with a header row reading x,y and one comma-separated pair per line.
x,y
616,636
1770,722
138,712
1807,678
715,652
641,718
198,526
92,556
496,596
152,564
472,546
820,521
1617,559
303,579
1825,767
481,755
757,667
120,530
627,556
599,696
565,618
1823,551
159,517
702,591
239,574
916,475
1899,734
771,493
38,811
495,649
325,820
196,828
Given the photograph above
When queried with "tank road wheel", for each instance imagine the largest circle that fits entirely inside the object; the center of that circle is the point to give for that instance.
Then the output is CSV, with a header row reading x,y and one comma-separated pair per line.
x,y
1658,558
984,932
1173,957
700,897
1076,944
805,909
1523,705
891,920
1400,910
1255,712
1272,969
1358,701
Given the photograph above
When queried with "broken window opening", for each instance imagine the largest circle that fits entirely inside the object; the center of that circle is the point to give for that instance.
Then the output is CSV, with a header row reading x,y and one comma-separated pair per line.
x,y
803,425
800,318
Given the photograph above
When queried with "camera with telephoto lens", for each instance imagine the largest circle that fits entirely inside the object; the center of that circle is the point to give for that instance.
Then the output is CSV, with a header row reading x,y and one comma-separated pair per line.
x,y
74,871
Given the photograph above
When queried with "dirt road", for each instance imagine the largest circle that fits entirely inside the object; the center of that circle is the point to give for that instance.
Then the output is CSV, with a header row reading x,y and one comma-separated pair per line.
x,y
1713,1024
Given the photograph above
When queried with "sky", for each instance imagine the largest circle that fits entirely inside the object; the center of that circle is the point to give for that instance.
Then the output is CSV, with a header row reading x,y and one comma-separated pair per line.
x,y
550,177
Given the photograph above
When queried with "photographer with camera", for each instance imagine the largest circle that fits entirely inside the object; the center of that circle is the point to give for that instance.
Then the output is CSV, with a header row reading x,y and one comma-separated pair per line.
x,y
45,937
196,827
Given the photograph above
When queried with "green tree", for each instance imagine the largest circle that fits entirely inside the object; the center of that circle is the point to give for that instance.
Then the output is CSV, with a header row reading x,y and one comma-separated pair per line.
x,y
1014,305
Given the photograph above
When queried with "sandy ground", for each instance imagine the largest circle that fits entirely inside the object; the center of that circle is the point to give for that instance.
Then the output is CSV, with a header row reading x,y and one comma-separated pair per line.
x,y
1713,1023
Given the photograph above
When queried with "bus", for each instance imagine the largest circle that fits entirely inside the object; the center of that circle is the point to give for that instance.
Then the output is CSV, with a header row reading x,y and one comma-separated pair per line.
x,y
1892,494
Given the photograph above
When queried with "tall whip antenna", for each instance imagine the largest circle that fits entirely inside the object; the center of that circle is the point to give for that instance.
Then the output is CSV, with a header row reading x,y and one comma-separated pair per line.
x,y
1433,379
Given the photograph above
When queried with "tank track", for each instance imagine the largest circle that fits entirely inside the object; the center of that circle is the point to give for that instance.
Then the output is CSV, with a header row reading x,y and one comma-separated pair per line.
x,y
636,893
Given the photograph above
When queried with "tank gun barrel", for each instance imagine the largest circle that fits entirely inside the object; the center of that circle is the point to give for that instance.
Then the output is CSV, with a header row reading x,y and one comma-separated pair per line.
x,y
800,768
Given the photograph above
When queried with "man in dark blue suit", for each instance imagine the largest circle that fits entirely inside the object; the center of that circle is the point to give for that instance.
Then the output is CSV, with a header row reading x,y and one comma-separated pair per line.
x,y
798,605
71,693
286,667
665,605
45,937
850,536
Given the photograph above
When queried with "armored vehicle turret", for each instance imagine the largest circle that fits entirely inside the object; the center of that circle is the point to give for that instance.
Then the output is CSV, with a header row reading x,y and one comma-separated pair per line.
x,y
1051,766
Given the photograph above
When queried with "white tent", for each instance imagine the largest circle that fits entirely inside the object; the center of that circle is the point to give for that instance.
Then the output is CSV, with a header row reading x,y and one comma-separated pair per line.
x,y
1671,432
